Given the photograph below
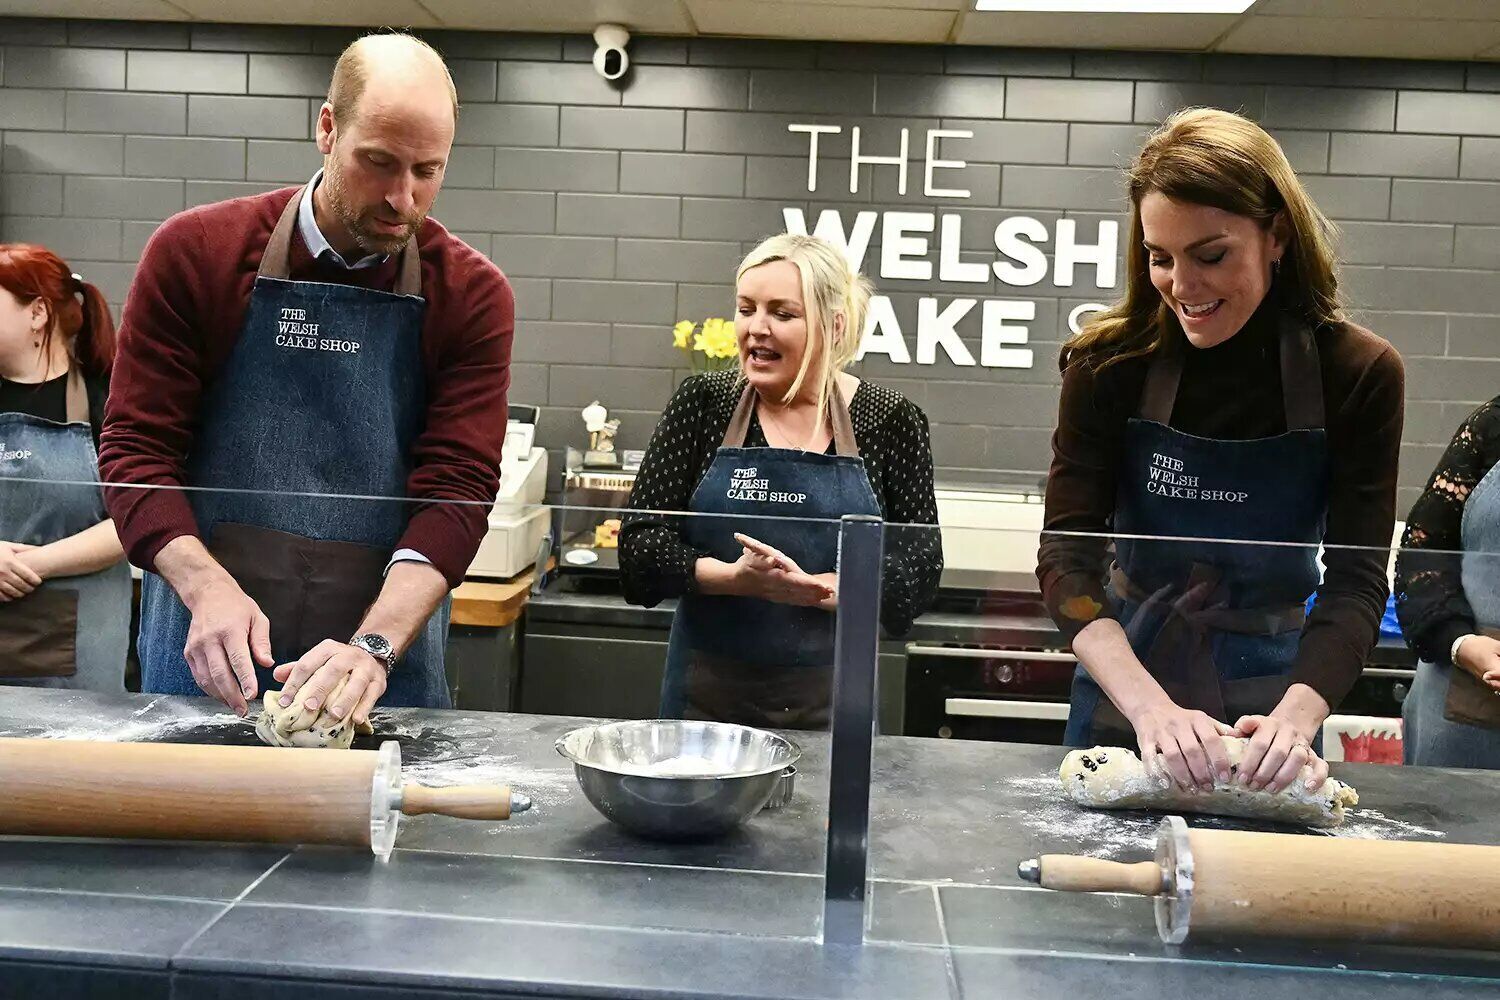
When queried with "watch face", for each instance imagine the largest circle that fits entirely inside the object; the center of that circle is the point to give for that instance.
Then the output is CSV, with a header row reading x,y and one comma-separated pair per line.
x,y
376,645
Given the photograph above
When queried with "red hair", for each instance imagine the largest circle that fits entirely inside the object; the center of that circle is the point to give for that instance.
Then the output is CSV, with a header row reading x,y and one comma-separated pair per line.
x,y
77,309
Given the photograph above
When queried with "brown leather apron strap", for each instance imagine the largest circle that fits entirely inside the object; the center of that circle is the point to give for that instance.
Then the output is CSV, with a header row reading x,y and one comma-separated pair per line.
x,y
843,427
409,278
76,408
1163,374
739,424
276,261
1301,377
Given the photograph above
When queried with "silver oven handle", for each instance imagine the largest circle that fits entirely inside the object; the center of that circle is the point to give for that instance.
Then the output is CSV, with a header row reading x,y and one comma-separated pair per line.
x,y
994,708
964,653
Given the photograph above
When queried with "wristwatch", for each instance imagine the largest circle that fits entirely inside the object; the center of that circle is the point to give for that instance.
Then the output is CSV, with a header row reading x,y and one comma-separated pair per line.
x,y
377,646
1453,650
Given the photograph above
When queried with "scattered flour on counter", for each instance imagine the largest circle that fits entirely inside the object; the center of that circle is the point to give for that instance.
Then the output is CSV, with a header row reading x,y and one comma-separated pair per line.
x,y
545,786
1372,824
133,731
1129,835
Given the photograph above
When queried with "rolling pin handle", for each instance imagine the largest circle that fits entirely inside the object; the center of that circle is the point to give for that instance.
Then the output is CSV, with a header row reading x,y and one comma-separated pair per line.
x,y
493,802
1070,873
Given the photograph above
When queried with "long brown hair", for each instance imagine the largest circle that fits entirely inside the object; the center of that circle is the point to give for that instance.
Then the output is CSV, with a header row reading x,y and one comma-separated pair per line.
x,y
1226,161
77,310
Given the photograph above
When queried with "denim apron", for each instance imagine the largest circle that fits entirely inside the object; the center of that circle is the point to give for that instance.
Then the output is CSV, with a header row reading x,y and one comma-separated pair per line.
x,y
1451,718
73,631
743,659
323,394
1216,624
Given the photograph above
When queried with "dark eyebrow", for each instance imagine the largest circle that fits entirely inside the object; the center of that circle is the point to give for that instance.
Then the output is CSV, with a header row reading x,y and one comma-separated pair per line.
x,y
1191,246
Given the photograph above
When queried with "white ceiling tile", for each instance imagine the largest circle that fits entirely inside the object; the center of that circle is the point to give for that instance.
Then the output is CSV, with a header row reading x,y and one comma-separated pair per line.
x,y
372,13
663,17
119,10
793,19
1406,39
1094,31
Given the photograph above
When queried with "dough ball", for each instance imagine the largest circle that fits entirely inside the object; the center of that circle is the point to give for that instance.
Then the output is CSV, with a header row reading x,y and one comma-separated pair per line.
x,y
296,726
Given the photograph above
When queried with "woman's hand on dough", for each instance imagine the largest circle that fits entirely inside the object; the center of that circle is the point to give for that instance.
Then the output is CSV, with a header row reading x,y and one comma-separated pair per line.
x,y
321,669
1185,742
1275,755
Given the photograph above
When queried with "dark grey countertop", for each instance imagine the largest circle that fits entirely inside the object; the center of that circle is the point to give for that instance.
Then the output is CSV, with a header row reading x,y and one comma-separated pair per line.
x,y
558,902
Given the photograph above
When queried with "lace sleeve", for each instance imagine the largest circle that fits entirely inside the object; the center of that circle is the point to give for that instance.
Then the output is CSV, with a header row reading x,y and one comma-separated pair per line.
x,y
1430,601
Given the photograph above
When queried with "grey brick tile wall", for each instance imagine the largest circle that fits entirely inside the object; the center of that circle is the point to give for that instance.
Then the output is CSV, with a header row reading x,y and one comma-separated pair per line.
x,y
618,210
186,72
1394,155
199,159
45,66
1480,158
141,114
32,109
557,170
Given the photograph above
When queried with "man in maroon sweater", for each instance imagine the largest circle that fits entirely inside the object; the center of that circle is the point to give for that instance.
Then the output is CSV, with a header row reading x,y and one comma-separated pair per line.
x,y
284,354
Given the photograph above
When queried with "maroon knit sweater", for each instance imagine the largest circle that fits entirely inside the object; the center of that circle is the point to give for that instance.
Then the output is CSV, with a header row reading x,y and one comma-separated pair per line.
x,y
184,314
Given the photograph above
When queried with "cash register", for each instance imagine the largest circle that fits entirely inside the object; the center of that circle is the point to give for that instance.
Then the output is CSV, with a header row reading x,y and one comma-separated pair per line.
x,y
518,521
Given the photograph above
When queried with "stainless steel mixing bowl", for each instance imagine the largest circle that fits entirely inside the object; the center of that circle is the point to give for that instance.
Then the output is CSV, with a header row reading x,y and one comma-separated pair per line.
x,y
677,780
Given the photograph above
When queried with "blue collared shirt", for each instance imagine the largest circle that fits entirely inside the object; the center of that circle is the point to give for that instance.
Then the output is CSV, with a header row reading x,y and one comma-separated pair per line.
x,y
312,237
317,244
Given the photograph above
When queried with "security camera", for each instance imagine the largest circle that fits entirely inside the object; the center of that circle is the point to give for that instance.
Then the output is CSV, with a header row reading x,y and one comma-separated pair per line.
x,y
610,58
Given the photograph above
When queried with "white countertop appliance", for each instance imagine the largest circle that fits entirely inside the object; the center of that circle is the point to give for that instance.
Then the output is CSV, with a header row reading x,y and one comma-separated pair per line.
x,y
519,520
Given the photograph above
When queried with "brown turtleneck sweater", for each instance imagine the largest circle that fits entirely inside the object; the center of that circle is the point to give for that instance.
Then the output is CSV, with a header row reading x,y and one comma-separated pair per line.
x,y
1233,391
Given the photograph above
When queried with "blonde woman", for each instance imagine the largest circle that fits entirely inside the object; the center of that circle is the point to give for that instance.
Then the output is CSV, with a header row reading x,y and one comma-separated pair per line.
x,y
766,459
1224,398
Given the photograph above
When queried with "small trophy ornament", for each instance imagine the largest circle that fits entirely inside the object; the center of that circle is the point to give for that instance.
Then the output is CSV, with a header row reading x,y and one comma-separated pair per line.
x,y
601,451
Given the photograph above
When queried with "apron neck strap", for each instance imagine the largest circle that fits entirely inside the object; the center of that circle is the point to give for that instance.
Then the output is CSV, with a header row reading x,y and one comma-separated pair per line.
x,y
1163,374
77,404
1301,378
843,428
276,261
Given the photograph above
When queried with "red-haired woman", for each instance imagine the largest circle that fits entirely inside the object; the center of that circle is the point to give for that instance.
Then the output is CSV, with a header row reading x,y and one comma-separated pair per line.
x,y
64,584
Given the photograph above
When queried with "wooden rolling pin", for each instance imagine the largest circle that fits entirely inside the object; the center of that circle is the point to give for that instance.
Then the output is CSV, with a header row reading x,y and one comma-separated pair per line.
x,y
1229,884
168,791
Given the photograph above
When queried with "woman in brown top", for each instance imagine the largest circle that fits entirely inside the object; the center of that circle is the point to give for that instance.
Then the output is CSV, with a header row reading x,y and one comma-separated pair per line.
x,y
1224,398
